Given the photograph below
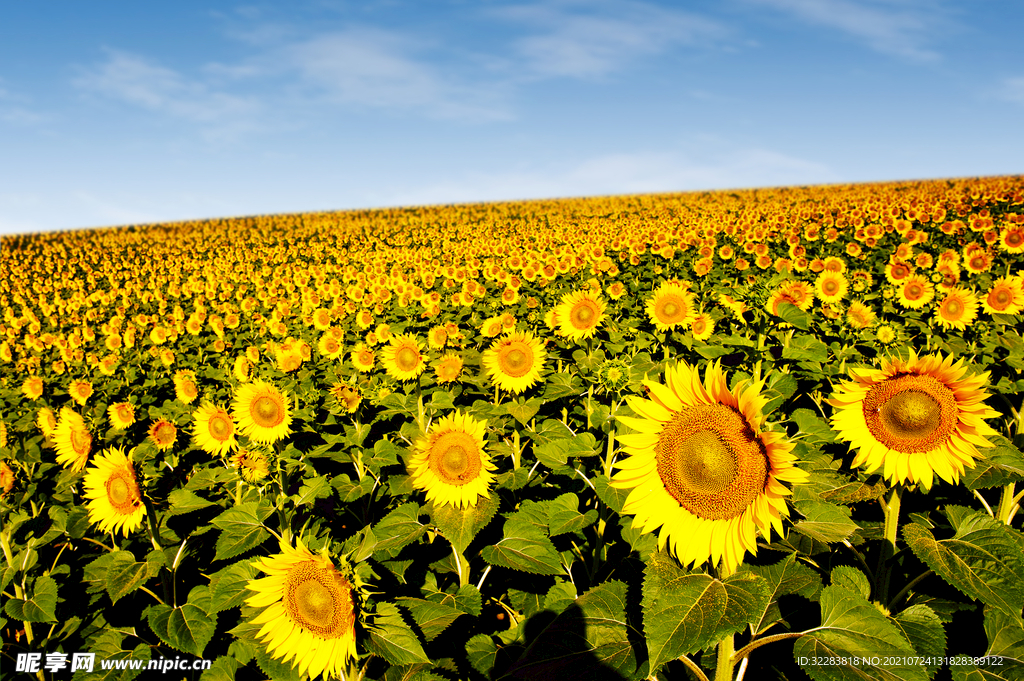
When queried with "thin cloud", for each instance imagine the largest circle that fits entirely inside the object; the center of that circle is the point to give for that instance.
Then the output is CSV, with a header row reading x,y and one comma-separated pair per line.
x,y
596,39
897,27
14,109
1013,90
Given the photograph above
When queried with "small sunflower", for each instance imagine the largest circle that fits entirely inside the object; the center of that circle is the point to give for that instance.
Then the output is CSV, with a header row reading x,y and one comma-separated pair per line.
x,y
702,326
121,415
72,440
115,501
80,391
403,358
614,374
32,388
916,292
670,306
47,421
362,358
579,315
915,418
163,434
514,362
347,396
702,469
450,462
1006,296
310,610
6,478
830,286
957,309
185,389
241,369
252,464
261,412
859,315
329,346
214,429
448,368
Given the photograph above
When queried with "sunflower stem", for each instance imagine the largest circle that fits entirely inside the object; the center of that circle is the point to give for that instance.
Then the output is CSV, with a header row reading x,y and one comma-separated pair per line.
x,y
1006,502
726,647
697,672
892,519
18,592
517,451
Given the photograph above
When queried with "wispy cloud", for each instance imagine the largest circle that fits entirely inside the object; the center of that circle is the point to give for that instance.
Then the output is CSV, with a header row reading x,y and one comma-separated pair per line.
x,y
136,80
1013,90
902,28
593,39
15,109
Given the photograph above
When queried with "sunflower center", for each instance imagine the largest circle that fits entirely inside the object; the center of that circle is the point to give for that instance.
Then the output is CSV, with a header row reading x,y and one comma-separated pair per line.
x,y
319,600
614,374
515,360
583,316
953,308
407,359
830,287
1000,299
81,440
121,493
266,411
911,413
220,427
455,458
711,462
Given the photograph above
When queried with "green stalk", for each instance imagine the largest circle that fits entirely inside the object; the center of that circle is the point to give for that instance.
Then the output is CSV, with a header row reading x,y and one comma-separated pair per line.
x,y
892,520
18,593
726,647
1006,503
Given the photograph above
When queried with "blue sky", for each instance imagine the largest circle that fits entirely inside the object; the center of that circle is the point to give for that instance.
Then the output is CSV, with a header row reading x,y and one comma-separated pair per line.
x,y
123,112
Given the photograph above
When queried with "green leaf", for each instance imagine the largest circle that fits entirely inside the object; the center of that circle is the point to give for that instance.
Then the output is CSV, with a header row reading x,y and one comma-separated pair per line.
x,y
559,385
392,639
922,627
460,526
228,586
806,348
559,596
851,627
813,426
467,598
109,645
588,640
564,515
780,388
1000,466
556,453
187,628
224,668
311,490
686,612
784,577
982,560
125,575
41,607
713,351
400,527
824,522
851,578
613,497
522,411
241,528
526,550
186,501
795,316
432,618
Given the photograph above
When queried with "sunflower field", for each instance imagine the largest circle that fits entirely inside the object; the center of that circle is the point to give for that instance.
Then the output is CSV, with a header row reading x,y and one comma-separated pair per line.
x,y
761,434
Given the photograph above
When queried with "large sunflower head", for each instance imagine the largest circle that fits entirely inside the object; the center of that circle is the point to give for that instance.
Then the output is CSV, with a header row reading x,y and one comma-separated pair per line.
x,y
115,501
579,314
214,429
261,412
72,440
670,306
403,358
702,469
514,362
915,418
310,610
450,462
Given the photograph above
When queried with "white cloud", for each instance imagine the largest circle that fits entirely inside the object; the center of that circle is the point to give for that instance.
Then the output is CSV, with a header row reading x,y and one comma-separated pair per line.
x,y
136,80
898,27
601,38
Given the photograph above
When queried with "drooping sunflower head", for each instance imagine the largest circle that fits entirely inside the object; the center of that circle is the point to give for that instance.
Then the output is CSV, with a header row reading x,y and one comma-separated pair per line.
x,y
311,609
261,412
72,440
670,306
514,362
702,469
450,462
403,358
121,415
916,418
163,433
252,464
347,396
214,429
579,315
47,421
115,500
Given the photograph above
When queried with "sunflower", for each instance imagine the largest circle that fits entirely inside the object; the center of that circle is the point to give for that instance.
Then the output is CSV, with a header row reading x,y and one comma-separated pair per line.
x,y
80,391
252,464
115,501
185,389
403,358
214,429
896,271
831,287
121,415
1006,296
579,315
72,440
450,462
916,292
261,412
241,368
702,469
310,611
163,434
329,347
46,421
32,387
448,368
347,396
957,309
362,358
6,478
514,362
670,306
702,326
916,417
614,374
859,315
